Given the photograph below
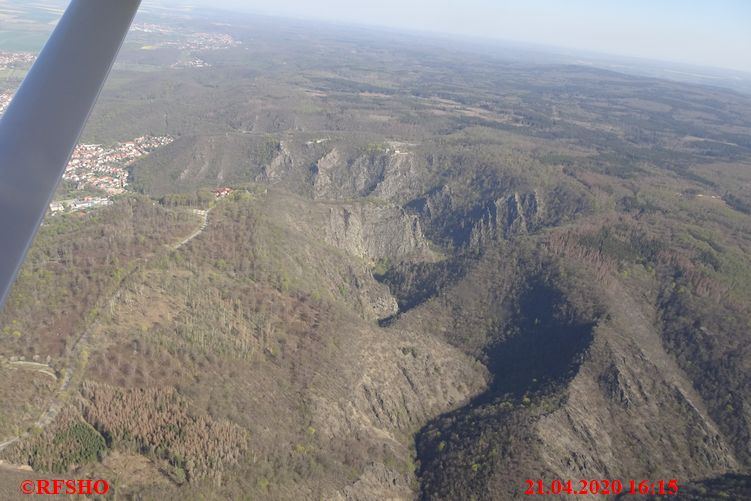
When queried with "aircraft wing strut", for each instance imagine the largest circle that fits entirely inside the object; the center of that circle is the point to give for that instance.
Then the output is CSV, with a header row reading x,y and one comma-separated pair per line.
x,y
42,124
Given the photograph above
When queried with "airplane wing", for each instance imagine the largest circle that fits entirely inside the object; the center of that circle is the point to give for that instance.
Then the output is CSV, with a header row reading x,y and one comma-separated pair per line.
x,y
41,126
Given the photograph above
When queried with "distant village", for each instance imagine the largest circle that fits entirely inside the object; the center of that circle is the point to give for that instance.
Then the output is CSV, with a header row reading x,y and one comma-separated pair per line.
x,y
206,41
190,41
103,168
193,62
10,60
95,166
5,97
91,165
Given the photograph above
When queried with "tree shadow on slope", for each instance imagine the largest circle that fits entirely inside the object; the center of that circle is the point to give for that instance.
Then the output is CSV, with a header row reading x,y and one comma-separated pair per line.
x,y
463,452
543,349
415,283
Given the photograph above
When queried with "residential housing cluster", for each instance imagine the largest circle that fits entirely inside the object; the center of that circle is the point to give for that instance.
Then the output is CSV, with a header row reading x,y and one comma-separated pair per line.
x,y
5,97
95,166
79,204
10,60
193,62
187,41
210,41
203,41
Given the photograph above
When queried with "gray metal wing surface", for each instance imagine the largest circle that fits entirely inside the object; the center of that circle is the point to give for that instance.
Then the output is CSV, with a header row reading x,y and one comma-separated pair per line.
x,y
43,123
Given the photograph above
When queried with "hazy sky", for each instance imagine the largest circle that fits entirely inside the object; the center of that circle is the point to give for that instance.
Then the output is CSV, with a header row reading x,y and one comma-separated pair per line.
x,y
706,32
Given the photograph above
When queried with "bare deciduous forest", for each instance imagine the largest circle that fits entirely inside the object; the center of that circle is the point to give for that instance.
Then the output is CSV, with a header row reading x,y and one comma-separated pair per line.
x,y
439,270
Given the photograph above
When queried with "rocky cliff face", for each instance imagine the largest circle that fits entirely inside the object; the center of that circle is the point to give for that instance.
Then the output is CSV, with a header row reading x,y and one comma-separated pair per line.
x,y
630,410
515,214
449,218
402,178
387,173
399,381
280,166
323,183
373,232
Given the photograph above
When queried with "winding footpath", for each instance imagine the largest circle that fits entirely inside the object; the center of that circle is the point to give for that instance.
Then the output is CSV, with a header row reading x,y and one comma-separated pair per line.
x,y
204,214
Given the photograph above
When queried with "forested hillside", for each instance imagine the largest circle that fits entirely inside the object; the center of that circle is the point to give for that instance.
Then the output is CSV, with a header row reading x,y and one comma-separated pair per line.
x,y
433,272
